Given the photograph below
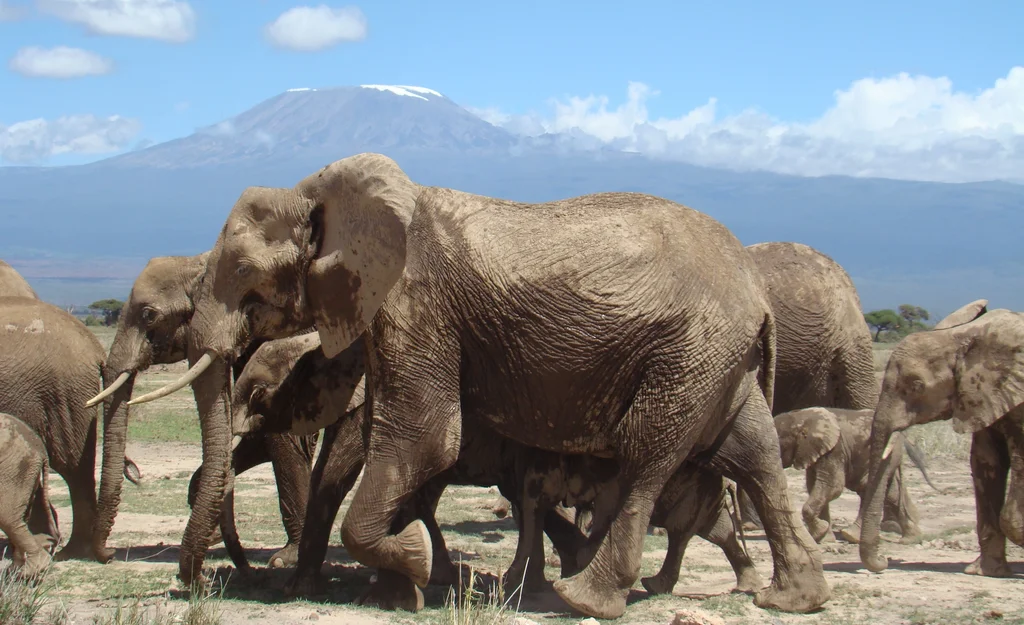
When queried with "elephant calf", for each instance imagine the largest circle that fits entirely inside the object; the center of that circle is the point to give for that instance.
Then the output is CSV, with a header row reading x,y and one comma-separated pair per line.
x,y
833,445
26,516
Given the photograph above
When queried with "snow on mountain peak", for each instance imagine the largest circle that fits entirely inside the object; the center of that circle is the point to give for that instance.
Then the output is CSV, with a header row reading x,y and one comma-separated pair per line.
x,y
302,89
404,90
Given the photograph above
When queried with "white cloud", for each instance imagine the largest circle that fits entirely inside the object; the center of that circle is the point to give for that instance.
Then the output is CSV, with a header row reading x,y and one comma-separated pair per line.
x,y
909,127
10,13
59,62
35,140
166,20
309,29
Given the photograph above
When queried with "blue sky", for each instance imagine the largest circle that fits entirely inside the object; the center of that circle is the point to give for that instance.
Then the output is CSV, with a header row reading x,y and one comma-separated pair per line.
x,y
785,60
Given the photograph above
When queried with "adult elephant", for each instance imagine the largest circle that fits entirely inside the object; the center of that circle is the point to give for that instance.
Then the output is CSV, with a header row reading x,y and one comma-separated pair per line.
x,y
12,284
49,366
515,312
153,329
968,369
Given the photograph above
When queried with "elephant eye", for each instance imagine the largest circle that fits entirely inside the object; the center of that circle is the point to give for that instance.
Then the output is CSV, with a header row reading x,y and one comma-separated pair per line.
x,y
257,393
148,315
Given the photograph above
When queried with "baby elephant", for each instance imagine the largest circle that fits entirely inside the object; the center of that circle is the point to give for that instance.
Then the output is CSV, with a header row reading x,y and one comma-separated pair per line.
x,y
26,516
833,445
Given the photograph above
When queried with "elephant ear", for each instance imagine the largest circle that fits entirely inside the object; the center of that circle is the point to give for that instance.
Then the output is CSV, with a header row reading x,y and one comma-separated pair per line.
x,y
989,370
362,208
809,434
968,312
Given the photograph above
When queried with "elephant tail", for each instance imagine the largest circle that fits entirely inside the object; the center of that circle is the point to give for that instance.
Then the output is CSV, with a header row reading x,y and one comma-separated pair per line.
x,y
917,457
766,377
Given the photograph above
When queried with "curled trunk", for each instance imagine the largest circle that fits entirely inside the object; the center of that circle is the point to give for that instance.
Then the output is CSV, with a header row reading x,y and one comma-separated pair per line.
x,y
213,399
115,438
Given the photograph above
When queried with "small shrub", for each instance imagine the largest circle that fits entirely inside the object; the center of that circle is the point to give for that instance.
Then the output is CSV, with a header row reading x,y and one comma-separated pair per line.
x,y
21,602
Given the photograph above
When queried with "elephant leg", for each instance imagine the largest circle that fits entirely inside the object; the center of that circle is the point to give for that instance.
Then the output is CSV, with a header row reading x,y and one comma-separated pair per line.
x,y
990,463
251,452
750,455
901,508
525,570
81,480
337,468
443,571
665,580
29,556
751,521
722,532
825,485
1011,520
566,538
292,459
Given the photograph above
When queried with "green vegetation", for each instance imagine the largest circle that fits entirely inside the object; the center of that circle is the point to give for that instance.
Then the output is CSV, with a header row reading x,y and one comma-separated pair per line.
x,y
890,325
111,309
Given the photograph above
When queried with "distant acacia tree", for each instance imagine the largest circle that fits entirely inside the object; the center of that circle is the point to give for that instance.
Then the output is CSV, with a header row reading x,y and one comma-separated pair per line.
x,y
886,320
915,316
111,309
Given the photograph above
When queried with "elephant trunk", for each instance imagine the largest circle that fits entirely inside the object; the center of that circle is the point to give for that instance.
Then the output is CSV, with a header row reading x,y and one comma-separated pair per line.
x,y
115,438
213,400
880,471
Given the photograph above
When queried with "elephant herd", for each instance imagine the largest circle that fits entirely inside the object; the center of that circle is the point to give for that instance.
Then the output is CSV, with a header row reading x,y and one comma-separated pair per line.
x,y
616,356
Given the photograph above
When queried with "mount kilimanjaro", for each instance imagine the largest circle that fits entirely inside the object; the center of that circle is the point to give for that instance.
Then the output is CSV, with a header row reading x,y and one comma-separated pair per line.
x,y
83,232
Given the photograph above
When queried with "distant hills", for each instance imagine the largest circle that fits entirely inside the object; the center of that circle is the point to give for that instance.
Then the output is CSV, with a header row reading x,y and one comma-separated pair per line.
x,y
82,233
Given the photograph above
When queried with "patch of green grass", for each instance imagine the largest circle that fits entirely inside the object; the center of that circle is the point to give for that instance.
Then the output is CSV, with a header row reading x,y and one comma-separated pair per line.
x,y
165,426
23,602
203,608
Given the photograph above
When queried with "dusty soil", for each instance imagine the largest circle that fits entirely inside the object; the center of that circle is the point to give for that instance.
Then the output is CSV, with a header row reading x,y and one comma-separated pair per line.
x,y
924,583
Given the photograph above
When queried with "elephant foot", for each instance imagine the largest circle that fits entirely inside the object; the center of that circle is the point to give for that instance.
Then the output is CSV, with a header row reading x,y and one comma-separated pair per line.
x,y
444,574
501,508
102,554
304,584
891,526
748,581
817,528
851,534
414,544
392,591
911,536
31,566
531,580
659,584
82,551
988,567
582,596
286,558
797,589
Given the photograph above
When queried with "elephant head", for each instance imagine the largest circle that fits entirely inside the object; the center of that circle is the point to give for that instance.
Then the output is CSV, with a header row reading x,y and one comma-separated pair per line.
x,y
806,435
152,329
327,251
12,284
970,370
290,386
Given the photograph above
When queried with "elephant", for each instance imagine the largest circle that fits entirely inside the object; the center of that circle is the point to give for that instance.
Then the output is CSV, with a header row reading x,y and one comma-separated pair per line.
x,y
12,284
50,365
968,369
656,304
823,347
24,470
290,385
153,329
831,444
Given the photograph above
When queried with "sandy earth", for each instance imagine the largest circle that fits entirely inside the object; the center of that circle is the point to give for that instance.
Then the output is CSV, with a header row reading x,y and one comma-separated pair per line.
x,y
924,583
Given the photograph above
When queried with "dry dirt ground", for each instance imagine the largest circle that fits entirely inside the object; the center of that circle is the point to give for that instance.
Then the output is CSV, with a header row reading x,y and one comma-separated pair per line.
x,y
924,583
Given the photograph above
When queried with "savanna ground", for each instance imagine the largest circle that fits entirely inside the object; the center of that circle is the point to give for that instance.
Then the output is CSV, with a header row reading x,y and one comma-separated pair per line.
x,y
924,583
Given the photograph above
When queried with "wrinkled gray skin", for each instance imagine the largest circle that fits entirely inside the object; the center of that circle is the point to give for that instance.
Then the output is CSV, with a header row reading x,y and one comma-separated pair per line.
x,y
831,444
12,284
289,385
153,329
654,303
26,516
49,367
823,347
970,370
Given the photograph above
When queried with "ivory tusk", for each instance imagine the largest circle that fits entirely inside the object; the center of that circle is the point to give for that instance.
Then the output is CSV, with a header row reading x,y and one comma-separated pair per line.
x,y
107,392
888,448
197,370
235,441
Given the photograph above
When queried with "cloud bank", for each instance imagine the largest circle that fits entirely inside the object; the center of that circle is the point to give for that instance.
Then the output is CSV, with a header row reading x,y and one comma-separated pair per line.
x,y
310,29
903,126
59,62
173,21
10,13
36,140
